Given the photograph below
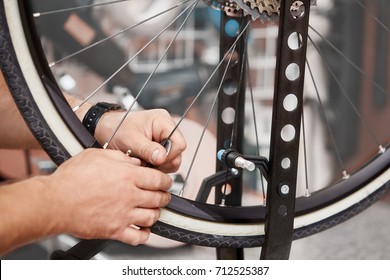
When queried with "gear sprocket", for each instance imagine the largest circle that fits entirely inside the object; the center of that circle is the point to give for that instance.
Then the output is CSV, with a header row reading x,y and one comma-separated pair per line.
x,y
269,6
265,10
228,6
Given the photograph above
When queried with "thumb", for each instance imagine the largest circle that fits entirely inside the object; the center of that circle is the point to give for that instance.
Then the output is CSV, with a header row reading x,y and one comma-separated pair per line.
x,y
149,151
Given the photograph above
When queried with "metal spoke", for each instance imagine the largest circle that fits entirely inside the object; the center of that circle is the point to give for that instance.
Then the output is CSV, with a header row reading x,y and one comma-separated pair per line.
x,y
322,110
255,126
207,121
134,56
360,70
117,34
307,193
38,14
193,5
209,80
345,94
372,15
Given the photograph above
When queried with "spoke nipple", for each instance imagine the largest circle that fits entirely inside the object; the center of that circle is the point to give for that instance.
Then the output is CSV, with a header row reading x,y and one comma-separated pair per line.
x,y
346,175
181,193
37,15
51,64
105,146
76,108
307,193
223,202
382,150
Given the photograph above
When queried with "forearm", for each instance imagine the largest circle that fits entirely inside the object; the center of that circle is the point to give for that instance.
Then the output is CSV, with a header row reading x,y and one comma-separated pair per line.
x,y
75,102
14,131
28,212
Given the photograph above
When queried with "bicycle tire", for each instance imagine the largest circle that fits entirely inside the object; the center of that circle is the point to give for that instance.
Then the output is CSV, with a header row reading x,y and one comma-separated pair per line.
x,y
26,74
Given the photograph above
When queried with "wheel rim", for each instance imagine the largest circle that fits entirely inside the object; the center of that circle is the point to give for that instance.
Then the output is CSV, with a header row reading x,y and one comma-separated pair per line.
x,y
352,185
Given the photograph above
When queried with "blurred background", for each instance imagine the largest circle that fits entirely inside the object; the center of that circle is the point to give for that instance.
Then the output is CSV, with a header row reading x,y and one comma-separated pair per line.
x,y
187,66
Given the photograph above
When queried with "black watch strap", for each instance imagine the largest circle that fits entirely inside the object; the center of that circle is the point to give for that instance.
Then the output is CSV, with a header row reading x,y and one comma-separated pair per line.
x,y
94,114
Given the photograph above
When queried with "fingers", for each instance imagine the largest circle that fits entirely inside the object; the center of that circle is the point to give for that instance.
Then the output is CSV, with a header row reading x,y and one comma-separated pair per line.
x,y
126,169
153,184
115,193
138,232
152,199
142,217
103,154
178,144
147,145
142,133
134,236
151,179
171,165
149,151
133,161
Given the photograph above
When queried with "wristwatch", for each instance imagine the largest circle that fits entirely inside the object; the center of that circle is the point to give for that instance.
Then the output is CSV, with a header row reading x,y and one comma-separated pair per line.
x,y
94,114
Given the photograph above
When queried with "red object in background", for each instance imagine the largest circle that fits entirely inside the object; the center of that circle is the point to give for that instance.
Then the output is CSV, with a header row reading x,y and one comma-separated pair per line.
x,y
20,164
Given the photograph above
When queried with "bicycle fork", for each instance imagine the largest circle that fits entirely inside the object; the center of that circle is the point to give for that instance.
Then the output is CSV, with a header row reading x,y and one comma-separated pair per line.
x,y
286,126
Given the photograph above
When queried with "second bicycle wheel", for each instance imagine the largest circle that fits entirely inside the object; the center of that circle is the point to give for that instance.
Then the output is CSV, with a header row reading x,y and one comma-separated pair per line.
x,y
189,57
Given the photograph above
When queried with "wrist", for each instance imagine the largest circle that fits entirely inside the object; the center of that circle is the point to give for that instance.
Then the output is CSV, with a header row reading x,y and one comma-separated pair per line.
x,y
51,208
31,213
95,113
106,126
60,208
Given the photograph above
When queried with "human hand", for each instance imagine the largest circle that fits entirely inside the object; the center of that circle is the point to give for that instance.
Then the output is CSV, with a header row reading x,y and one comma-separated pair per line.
x,y
142,132
101,194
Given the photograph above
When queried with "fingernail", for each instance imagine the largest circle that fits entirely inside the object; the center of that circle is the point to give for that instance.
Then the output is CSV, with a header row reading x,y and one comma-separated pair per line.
x,y
155,155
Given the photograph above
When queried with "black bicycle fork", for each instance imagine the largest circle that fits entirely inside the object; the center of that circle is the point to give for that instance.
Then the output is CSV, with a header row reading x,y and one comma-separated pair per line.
x,y
286,124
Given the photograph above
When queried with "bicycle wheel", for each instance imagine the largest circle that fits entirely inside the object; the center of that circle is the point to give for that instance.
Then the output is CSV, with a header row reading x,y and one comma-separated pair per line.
x,y
357,162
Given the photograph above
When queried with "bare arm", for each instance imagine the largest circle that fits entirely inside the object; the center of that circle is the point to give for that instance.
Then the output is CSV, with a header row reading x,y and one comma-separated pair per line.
x,y
141,132
25,213
14,132
97,194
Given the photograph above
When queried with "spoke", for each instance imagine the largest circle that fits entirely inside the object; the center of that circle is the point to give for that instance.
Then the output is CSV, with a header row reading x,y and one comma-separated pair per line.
x,y
209,80
134,56
372,15
253,107
117,34
207,121
361,71
193,5
223,199
307,194
255,126
38,14
343,91
340,161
